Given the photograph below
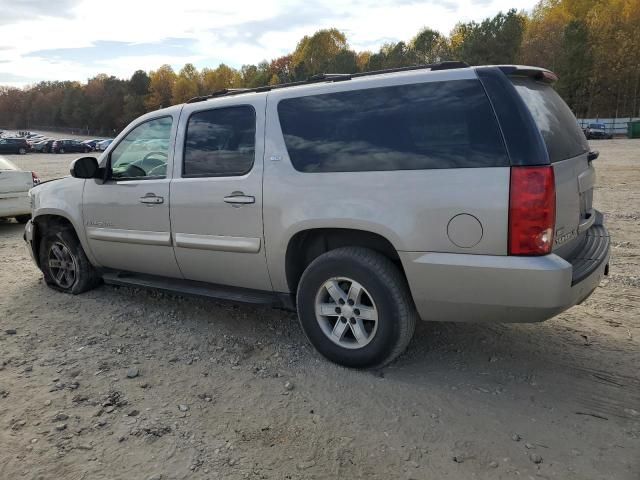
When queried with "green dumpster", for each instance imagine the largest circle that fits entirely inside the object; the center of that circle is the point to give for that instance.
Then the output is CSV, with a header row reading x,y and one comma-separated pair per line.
x,y
633,129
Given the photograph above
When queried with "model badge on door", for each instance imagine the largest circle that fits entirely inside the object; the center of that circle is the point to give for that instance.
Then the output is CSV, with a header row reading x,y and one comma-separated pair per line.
x,y
93,223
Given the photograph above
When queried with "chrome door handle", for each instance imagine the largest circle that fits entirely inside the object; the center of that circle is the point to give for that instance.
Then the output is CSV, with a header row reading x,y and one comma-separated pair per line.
x,y
239,198
151,199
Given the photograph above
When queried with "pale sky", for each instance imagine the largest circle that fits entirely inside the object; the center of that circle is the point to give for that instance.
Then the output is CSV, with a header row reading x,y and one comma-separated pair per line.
x,y
77,39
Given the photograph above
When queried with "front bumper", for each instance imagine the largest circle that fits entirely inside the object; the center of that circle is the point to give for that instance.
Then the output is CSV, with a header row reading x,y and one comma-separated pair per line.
x,y
485,288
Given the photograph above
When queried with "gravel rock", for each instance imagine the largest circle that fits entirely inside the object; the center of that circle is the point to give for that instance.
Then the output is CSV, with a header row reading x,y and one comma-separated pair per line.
x,y
535,458
493,464
60,417
288,386
515,437
305,465
183,408
133,372
10,331
61,426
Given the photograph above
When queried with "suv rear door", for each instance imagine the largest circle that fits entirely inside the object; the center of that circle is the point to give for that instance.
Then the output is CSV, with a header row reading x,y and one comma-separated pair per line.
x,y
569,155
216,192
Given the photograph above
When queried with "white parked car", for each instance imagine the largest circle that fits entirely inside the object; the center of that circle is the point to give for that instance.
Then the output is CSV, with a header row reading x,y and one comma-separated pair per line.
x,y
14,191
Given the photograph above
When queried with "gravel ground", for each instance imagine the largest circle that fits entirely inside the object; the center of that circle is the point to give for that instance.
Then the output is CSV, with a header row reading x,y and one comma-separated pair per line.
x,y
132,384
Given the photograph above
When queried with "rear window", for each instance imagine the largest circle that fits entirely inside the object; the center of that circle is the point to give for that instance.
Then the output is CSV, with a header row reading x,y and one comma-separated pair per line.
x,y
220,142
406,127
560,130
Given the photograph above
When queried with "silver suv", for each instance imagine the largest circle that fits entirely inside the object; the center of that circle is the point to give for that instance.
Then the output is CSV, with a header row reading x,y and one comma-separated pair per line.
x,y
365,201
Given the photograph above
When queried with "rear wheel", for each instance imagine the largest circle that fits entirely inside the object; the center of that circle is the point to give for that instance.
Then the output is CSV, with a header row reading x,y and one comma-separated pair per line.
x,y
61,150
23,218
64,263
22,151
355,307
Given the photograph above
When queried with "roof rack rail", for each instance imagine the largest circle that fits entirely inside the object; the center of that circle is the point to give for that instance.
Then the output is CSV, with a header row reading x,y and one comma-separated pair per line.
x,y
330,77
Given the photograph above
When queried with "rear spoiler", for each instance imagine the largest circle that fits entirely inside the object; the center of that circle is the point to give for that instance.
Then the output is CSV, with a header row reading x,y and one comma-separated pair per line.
x,y
537,73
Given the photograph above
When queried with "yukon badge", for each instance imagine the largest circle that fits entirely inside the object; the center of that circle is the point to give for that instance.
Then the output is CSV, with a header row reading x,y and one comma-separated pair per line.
x,y
564,237
93,223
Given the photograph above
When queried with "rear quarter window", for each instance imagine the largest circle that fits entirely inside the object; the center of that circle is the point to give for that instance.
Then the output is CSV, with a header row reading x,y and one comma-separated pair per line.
x,y
407,127
559,128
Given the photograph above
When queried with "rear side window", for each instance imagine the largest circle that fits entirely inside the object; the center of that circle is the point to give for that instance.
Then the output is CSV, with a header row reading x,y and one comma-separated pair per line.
x,y
557,124
406,127
220,142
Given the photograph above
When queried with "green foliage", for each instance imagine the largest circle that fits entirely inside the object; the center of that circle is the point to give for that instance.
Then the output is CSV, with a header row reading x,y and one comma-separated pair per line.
x,y
493,41
593,45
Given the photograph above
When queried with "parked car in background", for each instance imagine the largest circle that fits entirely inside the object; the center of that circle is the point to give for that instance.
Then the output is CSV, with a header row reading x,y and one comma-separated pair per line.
x,y
92,143
43,146
102,145
14,191
69,146
597,131
349,199
14,145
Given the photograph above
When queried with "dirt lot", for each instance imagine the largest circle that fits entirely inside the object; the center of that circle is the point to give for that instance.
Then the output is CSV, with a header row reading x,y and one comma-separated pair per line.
x,y
235,392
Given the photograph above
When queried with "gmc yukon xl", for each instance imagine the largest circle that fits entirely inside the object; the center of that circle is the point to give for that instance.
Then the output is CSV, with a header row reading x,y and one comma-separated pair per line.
x,y
365,201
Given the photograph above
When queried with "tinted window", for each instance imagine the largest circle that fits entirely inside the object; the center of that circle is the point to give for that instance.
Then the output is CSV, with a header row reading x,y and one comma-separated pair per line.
x,y
144,151
560,130
220,142
407,127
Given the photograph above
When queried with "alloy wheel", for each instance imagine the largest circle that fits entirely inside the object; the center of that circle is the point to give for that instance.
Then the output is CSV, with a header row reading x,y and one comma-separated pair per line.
x,y
62,265
346,312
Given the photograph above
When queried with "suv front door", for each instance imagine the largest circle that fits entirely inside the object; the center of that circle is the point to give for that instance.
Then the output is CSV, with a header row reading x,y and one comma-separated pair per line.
x,y
216,193
127,217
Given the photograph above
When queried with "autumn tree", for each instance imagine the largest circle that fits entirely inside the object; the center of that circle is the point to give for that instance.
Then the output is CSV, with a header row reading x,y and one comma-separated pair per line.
x,y
187,85
161,84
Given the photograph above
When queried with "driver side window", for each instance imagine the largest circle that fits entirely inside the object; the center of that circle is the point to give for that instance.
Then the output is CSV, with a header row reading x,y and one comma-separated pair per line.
x,y
143,153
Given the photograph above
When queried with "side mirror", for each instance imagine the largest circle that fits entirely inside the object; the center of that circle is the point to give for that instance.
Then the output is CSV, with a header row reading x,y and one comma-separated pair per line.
x,y
84,167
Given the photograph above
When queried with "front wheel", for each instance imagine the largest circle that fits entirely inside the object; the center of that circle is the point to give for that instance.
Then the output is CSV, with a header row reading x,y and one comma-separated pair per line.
x,y
64,263
355,307
22,151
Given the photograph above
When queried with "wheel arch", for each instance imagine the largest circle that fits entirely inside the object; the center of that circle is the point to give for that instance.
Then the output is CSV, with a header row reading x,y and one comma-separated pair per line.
x,y
306,245
45,221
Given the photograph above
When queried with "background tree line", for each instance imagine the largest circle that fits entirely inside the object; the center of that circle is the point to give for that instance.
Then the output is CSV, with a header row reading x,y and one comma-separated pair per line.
x,y
593,45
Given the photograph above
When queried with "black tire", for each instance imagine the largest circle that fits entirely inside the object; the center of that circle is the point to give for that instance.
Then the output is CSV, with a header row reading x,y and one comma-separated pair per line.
x,y
22,151
23,218
388,289
86,276
61,150
86,150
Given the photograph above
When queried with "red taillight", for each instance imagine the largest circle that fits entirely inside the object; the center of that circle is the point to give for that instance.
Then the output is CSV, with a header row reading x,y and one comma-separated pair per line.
x,y
36,179
532,210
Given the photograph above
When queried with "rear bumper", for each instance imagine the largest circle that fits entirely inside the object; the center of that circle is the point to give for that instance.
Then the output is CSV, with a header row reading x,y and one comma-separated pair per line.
x,y
15,205
484,288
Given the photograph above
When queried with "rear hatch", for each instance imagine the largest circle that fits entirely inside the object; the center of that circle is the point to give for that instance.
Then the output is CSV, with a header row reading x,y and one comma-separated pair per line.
x,y
13,182
569,155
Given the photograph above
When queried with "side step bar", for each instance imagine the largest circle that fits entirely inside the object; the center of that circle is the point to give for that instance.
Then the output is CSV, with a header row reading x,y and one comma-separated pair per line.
x,y
193,288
